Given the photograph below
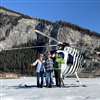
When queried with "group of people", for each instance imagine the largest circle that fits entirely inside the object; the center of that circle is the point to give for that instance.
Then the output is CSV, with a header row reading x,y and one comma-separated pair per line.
x,y
46,67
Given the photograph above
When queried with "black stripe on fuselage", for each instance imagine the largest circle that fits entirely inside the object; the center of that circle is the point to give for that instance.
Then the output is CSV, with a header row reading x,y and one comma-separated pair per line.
x,y
79,61
80,64
74,61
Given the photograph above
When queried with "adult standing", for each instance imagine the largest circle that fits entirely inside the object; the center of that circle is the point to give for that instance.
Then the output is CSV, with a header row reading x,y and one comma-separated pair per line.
x,y
40,69
57,68
49,71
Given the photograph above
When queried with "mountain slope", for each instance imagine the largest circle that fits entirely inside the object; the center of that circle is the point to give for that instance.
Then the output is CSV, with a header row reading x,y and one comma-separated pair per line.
x,y
16,30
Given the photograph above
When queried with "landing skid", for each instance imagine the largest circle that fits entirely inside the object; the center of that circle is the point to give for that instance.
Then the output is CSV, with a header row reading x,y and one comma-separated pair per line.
x,y
78,81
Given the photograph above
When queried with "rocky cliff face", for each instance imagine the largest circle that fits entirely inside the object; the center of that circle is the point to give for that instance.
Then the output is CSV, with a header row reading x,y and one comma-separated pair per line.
x,y
16,30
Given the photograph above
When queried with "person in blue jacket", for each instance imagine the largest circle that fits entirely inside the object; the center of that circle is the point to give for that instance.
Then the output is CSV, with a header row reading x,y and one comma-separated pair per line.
x,y
40,70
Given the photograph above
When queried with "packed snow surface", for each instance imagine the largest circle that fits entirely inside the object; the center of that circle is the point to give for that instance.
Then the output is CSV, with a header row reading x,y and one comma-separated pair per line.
x,y
14,89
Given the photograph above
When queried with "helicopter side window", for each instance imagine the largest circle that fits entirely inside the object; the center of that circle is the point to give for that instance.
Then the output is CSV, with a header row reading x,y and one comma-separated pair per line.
x,y
70,59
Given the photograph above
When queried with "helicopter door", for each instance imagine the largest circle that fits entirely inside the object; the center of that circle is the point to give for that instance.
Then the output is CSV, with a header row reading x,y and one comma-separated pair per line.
x,y
70,59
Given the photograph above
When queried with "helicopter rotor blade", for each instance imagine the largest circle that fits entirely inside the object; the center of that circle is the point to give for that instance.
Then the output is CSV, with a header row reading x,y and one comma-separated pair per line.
x,y
32,47
39,32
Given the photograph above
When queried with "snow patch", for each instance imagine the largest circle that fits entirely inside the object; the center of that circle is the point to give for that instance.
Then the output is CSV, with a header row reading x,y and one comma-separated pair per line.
x,y
2,94
13,91
7,98
74,98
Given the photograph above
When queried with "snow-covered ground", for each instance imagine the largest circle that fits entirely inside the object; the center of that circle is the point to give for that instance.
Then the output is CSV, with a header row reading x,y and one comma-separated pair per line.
x,y
13,89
